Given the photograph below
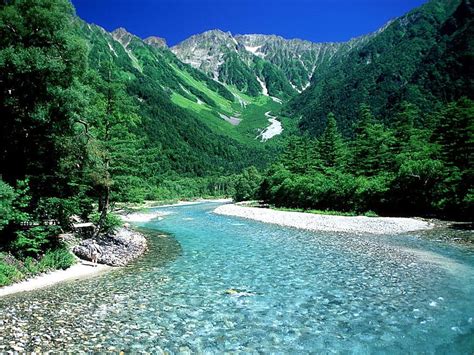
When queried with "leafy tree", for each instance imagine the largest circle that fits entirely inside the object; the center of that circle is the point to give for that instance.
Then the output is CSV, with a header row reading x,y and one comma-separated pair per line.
x,y
7,211
247,184
40,62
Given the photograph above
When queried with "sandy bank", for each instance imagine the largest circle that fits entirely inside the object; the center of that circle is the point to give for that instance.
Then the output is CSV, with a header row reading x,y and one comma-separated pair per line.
x,y
80,270
141,217
314,222
118,249
149,215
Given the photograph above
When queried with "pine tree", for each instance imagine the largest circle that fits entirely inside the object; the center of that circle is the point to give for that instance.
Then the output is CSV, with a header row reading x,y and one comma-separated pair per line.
x,y
371,148
113,148
330,146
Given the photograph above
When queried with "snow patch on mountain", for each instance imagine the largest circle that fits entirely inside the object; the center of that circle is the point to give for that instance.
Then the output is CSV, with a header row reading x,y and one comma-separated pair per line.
x,y
254,50
294,87
275,128
277,100
112,49
234,121
263,85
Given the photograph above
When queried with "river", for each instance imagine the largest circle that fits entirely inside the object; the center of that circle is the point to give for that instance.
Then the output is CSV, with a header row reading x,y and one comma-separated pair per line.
x,y
212,283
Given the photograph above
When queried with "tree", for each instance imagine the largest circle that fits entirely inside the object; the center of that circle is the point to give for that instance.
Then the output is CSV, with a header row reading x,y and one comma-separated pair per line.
x,y
371,148
455,135
330,146
113,148
247,184
41,61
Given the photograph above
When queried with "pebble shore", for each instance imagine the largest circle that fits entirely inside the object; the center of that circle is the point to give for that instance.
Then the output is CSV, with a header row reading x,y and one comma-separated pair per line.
x,y
315,222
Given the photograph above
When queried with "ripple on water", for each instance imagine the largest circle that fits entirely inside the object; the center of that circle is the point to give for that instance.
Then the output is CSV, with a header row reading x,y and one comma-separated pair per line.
x,y
295,291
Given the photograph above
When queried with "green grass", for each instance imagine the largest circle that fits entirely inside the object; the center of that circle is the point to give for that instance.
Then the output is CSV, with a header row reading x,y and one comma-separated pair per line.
x,y
224,104
326,212
14,270
252,115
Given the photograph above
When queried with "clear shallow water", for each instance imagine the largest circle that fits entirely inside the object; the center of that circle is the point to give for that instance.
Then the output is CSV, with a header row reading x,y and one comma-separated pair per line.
x,y
301,292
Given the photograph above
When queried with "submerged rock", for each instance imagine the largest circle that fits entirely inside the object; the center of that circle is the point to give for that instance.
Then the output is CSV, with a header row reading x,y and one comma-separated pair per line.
x,y
117,249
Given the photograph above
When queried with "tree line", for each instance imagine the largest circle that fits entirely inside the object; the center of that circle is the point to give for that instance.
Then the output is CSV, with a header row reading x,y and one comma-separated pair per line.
x,y
402,169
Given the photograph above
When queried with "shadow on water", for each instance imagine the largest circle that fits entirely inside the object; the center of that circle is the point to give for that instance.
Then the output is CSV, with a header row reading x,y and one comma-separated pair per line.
x,y
162,248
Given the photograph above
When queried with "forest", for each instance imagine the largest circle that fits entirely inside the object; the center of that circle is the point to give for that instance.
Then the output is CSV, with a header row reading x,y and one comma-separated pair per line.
x,y
74,139
398,170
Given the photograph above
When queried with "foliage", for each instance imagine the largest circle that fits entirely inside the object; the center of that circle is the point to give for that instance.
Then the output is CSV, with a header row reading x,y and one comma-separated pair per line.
x,y
32,241
9,272
110,224
14,270
423,57
247,184
59,258
404,171
7,211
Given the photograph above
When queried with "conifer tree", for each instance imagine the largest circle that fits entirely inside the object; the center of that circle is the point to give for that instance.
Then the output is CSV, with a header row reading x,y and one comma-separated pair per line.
x,y
330,146
371,148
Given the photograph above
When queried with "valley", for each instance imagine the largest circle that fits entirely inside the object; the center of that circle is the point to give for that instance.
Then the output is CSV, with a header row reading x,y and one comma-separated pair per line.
x,y
346,152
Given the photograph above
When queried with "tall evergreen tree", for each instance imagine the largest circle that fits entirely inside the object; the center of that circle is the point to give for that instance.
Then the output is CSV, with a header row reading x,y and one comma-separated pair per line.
x,y
40,63
113,148
371,148
330,146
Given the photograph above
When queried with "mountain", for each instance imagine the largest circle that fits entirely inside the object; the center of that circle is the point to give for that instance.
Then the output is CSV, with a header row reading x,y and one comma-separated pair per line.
x,y
424,57
260,64
186,115
155,41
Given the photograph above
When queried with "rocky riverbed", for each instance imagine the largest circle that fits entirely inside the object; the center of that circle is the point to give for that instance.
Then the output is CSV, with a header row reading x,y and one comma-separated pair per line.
x,y
315,222
118,249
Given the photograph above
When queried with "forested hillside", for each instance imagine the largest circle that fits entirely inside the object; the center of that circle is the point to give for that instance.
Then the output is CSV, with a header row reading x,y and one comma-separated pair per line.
x,y
424,58
261,64
90,118
389,127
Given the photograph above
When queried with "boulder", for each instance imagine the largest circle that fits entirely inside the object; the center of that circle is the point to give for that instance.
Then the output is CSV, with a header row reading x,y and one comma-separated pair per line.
x,y
117,249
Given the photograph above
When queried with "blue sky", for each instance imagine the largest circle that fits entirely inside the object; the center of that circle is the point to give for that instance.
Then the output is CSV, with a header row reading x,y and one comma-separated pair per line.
x,y
313,20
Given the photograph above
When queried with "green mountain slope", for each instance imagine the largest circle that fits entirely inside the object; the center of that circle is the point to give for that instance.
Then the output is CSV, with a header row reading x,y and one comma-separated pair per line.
x,y
423,57
260,64
185,113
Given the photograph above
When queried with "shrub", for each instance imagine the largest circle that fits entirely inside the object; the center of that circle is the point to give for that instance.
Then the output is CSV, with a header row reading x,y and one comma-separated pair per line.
x,y
112,222
56,259
9,270
7,196
33,241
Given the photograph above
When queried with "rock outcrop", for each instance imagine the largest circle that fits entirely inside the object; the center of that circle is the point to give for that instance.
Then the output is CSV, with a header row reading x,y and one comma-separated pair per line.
x,y
157,42
117,249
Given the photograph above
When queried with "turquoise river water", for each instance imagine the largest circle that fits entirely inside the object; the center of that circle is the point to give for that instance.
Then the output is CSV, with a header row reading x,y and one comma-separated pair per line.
x,y
213,284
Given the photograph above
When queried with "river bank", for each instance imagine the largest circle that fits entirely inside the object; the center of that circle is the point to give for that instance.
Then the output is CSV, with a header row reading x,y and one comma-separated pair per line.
x,y
82,269
212,283
314,222
118,249
141,213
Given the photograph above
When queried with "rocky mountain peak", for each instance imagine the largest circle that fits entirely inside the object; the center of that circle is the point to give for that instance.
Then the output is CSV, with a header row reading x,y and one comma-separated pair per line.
x,y
205,51
157,42
123,36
